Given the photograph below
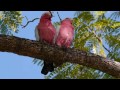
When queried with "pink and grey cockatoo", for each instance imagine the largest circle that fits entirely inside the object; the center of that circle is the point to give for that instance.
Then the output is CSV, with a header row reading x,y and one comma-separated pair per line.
x,y
45,31
65,33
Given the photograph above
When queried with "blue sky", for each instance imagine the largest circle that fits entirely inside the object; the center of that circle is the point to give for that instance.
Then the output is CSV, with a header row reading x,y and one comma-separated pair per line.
x,y
13,66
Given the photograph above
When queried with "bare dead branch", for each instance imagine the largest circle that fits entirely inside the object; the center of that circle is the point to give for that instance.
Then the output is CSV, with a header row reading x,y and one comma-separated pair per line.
x,y
29,22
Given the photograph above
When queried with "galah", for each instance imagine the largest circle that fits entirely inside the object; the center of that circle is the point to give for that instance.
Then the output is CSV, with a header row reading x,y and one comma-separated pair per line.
x,y
64,33
45,31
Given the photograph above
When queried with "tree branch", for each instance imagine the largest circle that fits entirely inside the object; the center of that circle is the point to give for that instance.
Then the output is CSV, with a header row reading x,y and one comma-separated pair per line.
x,y
57,55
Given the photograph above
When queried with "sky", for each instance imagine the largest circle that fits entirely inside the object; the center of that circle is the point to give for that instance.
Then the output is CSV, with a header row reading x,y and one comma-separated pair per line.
x,y
13,66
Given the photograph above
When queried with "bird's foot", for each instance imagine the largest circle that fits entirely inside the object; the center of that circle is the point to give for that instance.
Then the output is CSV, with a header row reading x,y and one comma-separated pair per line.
x,y
64,48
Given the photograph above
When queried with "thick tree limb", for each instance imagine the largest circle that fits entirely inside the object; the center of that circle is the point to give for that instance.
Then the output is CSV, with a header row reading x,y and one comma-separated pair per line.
x,y
46,52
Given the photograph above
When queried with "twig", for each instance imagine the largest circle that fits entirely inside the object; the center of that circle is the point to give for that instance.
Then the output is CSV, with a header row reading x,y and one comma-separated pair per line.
x,y
106,49
29,22
59,17
26,18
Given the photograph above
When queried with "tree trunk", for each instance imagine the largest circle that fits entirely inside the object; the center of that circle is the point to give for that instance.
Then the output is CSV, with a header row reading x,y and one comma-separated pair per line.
x,y
58,55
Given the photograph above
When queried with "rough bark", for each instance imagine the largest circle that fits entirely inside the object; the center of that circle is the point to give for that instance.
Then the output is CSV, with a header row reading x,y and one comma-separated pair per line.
x,y
31,48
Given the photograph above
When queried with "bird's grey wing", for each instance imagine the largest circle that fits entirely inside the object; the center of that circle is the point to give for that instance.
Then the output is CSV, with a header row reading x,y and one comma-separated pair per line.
x,y
56,34
36,34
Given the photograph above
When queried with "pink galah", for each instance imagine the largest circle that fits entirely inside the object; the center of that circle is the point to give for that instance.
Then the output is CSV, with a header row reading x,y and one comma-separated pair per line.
x,y
45,32
65,33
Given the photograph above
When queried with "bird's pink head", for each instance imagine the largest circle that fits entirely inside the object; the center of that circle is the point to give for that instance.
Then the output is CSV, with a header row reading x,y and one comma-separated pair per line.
x,y
68,20
46,15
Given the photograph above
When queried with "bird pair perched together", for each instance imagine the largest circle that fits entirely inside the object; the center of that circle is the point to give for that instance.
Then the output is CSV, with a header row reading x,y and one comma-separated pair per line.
x,y
62,35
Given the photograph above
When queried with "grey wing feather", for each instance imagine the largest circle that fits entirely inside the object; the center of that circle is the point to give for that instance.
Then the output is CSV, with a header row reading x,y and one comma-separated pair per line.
x,y
56,34
36,34
72,45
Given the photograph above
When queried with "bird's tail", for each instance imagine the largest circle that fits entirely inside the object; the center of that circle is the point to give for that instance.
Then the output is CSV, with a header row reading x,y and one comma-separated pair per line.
x,y
48,67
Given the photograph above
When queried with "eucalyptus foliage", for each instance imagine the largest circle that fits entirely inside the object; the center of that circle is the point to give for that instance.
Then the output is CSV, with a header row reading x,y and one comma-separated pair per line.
x,y
10,22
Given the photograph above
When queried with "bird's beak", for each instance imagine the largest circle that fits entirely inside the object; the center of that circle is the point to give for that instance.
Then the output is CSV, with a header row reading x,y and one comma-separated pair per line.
x,y
71,19
51,13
